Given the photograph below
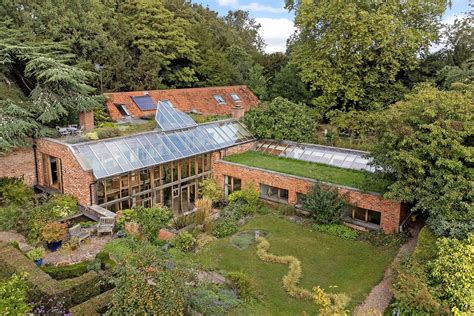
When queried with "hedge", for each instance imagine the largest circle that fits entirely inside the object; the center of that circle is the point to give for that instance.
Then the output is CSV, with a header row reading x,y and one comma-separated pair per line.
x,y
95,306
42,286
67,272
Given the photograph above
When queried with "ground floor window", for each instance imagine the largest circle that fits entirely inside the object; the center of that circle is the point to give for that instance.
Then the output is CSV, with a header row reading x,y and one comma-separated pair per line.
x,y
300,199
52,172
231,184
365,215
273,193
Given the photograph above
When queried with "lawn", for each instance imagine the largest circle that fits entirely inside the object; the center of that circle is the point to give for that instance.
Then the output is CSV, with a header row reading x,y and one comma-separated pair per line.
x,y
352,178
353,266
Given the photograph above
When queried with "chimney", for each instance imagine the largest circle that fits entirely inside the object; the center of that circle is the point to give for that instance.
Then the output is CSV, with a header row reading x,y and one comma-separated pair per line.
x,y
86,120
238,111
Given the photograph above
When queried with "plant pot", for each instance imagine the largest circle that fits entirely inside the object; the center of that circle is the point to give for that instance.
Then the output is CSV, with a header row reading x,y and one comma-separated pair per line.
x,y
39,262
54,245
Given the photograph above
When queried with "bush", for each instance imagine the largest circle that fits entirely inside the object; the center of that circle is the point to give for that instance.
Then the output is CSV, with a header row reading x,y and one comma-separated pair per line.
x,y
54,231
245,287
14,296
326,204
338,230
212,300
380,239
184,242
16,192
425,246
67,272
224,227
36,253
211,190
247,198
13,217
152,220
106,263
203,209
107,132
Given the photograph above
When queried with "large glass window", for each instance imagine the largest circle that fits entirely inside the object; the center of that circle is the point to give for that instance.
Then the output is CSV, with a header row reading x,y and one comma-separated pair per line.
x,y
365,215
274,193
231,184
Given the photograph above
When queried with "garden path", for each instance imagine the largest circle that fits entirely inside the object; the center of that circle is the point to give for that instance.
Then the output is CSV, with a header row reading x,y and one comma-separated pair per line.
x,y
380,296
87,251
19,238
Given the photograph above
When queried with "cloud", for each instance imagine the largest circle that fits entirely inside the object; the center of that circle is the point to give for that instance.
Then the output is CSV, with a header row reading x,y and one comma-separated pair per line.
x,y
275,32
227,2
254,6
447,21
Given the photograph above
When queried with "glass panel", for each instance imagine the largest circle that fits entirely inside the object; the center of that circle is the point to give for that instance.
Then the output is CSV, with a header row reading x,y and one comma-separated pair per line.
x,y
215,136
159,146
177,153
149,148
106,158
190,143
128,154
86,154
207,140
139,151
179,143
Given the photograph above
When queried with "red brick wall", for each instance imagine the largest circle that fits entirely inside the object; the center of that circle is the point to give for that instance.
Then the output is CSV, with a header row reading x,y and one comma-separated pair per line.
x,y
19,163
76,180
390,210
86,120
233,150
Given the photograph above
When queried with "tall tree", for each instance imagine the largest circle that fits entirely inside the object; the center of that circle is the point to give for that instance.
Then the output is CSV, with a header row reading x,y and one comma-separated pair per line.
x,y
257,81
425,145
350,52
288,84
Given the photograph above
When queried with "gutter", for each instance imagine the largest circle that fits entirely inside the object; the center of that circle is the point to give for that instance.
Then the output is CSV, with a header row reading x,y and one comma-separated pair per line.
x,y
36,163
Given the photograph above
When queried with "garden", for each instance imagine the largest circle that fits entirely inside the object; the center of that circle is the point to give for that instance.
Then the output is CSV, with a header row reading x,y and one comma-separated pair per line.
x,y
232,256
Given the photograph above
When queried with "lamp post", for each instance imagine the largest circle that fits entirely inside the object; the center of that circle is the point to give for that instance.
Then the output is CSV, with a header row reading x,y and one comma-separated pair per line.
x,y
99,68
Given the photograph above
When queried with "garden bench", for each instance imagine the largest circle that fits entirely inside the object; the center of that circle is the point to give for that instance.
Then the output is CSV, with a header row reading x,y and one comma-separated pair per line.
x,y
79,233
106,225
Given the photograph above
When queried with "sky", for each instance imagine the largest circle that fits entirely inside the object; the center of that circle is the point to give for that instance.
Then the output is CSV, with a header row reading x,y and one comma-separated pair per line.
x,y
277,23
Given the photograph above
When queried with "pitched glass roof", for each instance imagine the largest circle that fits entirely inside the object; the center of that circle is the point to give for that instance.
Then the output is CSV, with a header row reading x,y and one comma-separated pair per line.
x,y
113,156
333,156
168,118
144,103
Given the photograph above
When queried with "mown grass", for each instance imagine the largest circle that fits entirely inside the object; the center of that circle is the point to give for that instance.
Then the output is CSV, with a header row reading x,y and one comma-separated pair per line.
x,y
337,265
357,179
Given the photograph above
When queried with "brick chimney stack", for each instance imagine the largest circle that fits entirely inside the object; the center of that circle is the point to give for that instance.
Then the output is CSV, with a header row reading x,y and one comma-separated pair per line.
x,y
238,111
86,120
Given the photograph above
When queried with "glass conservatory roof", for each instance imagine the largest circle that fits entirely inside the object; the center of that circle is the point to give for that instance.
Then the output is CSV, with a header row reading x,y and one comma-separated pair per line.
x,y
168,118
333,156
114,156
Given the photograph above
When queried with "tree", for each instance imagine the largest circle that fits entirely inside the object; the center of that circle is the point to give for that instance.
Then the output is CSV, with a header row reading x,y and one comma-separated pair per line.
x,y
257,81
288,84
283,120
350,52
247,28
14,296
325,203
425,145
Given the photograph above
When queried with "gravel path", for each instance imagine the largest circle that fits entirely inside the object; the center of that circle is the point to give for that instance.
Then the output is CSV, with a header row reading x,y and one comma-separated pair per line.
x,y
12,236
87,251
380,296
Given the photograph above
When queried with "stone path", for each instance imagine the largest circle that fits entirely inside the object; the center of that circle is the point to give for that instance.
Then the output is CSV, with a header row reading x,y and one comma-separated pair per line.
x,y
86,251
12,236
380,296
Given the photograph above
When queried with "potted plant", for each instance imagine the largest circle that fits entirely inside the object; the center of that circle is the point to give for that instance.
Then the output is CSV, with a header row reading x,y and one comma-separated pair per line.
x,y
36,254
53,233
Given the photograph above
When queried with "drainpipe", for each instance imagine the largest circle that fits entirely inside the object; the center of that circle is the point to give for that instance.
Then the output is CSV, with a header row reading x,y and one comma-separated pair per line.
x,y
36,163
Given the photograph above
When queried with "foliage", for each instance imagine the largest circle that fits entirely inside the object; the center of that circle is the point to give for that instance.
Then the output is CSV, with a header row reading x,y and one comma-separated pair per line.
x,y
125,216
68,271
326,204
54,231
36,253
210,189
380,239
212,300
282,120
257,81
203,209
359,69
288,84
246,201
424,146
14,296
453,270
107,132
147,283
426,245
16,192
224,227
152,220
202,240
338,230
245,286
184,241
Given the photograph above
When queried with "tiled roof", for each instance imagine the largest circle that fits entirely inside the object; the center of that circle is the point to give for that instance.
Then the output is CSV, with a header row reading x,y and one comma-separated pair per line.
x,y
186,100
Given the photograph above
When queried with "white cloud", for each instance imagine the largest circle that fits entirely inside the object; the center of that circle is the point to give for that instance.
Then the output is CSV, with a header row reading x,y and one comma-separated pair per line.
x,y
275,32
227,2
447,21
254,6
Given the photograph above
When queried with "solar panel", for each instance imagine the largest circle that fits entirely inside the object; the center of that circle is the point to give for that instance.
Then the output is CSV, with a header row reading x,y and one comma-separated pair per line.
x,y
144,103
169,118
333,156
115,156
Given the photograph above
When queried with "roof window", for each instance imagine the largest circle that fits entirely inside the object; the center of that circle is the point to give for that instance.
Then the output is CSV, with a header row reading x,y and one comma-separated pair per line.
x,y
235,97
219,99
122,109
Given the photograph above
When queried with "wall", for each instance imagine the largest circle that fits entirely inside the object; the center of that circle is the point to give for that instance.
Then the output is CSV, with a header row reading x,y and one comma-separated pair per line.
x,y
19,163
390,210
233,150
76,180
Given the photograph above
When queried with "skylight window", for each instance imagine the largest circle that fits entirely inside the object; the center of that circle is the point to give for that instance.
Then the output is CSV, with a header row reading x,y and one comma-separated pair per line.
x,y
219,99
122,109
235,97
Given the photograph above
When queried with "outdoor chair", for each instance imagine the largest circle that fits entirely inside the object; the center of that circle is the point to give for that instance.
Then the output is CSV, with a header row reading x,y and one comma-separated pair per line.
x,y
106,225
79,233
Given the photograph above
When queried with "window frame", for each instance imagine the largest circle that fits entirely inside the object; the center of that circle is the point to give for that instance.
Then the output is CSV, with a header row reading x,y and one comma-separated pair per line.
x,y
219,99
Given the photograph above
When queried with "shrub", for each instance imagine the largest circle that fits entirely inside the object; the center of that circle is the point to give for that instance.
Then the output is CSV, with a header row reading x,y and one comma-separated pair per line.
x,y
202,240
224,227
247,199
54,231
105,260
36,253
13,217
211,190
14,296
16,192
182,221
338,230
152,220
212,300
326,204
380,239
245,286
203,209
286,210
425,246
184,242
107,132
125,216
67,272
